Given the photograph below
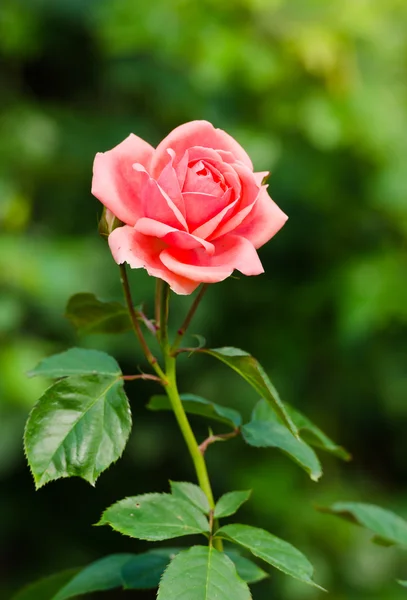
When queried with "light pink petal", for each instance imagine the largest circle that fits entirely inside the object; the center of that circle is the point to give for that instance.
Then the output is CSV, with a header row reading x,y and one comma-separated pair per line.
x,y
156,203
114,182
206,230
232,252
263,222
249,193
171,236
196,153
168,181
202,207
180,165
196,133
140,251
200,179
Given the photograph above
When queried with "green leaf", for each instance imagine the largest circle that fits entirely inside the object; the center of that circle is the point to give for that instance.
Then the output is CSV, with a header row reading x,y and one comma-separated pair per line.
x,y
90,315
103,574
155,517
271,549
230,502
45,588
246,569
77,361
191,493
403,583
251,370
144,571
202,573
79,427
388,527
312,435
195,405
269,434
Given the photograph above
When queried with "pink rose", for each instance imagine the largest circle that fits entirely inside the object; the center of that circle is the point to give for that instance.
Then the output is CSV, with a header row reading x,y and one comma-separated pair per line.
x,y
194,210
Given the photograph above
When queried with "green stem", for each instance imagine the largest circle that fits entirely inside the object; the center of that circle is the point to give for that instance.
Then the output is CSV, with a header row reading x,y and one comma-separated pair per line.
x,y
136,325
188,318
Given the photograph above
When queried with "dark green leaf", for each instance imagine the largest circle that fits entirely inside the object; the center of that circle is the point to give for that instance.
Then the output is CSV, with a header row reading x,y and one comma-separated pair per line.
x,y
202,573
103,574
144,571
310,433
191,493
269,434
246,569
230,502
78,428
77,361
271,549
90,315
155,517
251,370
388,527
45,589
195,405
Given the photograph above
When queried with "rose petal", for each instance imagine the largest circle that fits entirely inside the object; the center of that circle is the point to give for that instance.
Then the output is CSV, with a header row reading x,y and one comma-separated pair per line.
x,y
206,229
231,252
171,236
114,181
141,251
156,203
200,179
168,181
263,222
196,133
200,208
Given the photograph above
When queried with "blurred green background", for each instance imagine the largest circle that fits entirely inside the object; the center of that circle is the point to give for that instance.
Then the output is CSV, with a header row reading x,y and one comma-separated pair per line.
x,y
316,91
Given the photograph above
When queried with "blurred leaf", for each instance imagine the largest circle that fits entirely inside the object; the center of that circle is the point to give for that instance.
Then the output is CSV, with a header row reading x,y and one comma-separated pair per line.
x,y
246,569
144,571
403,583
155,517
269,434
211,574
77,361
196,405
230,503
271,549
191,493
309,432
79,427
45,589
388,527
248,367
90,315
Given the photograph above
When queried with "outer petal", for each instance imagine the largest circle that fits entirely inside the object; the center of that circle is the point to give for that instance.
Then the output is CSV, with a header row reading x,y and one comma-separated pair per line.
x,y
114,182
203,207
263,222
196,133
172,236
169,182
141,251
232,252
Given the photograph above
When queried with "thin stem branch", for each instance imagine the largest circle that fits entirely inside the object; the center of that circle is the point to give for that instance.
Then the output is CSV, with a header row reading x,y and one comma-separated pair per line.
x,y
136,325
189,317
164,312
221,437
188,434
158,286
145,376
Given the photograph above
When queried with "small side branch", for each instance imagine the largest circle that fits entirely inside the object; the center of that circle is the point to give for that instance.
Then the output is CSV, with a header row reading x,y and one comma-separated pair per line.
x,y
188,318
218,438
144,376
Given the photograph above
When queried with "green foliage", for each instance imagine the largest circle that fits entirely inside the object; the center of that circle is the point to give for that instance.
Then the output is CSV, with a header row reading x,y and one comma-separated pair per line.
x,y
271,549
387,527
79,427
253,373
77,361
211,574
264,431
230,503
155,517
196,405
246,569
192,493
88,314
46,588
